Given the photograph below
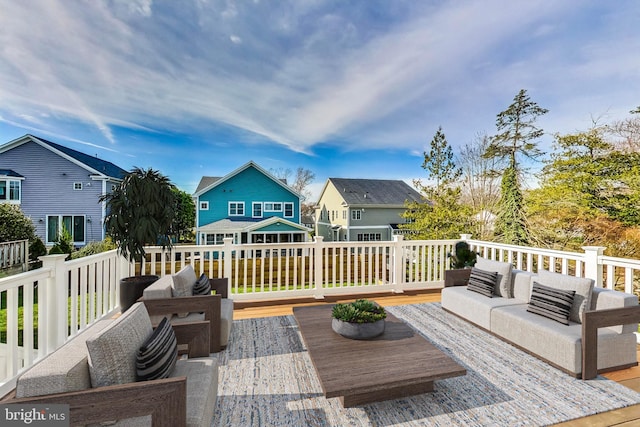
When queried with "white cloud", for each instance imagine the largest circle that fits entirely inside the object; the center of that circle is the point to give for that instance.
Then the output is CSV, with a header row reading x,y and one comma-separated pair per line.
x,y
299,73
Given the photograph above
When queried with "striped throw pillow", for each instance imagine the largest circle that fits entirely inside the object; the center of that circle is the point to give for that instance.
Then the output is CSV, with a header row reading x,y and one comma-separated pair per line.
x,y
482,282
202,286
157,356
552,303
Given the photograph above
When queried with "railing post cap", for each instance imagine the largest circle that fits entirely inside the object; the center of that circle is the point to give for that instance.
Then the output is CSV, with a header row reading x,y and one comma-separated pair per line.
x,y
53,258
599,249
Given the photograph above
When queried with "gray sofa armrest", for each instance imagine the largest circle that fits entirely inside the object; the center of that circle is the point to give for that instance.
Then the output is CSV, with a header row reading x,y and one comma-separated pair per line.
x,y
165,400
594,319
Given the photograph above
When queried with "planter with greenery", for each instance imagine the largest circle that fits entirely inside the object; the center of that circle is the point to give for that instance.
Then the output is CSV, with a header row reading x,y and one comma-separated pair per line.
x,y
140,212
460,262
360,320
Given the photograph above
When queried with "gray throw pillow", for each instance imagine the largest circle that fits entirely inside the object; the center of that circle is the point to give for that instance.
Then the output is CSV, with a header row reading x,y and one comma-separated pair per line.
x,y
582,286
157,356
182,285
503,287
482,282
551,303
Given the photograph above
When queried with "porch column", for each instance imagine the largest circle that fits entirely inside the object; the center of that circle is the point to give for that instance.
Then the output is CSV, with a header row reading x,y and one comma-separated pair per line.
x,y
592,264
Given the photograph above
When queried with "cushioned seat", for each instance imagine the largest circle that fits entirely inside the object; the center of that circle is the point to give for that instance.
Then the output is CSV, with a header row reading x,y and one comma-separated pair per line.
x,y
472,306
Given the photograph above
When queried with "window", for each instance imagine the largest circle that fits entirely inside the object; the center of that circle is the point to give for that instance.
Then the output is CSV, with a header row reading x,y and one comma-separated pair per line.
x,y
369,237
333,215
74,224
204,206
236,208
77,186
257,210
344,214
288,210
273,207
113,187
9,190
356,214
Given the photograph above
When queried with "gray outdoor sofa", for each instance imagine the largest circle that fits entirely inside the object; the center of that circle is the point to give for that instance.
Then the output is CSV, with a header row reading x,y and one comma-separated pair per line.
x,y
505,315
95,373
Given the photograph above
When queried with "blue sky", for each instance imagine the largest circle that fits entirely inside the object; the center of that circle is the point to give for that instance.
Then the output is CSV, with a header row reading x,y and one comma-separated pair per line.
x,y
344,88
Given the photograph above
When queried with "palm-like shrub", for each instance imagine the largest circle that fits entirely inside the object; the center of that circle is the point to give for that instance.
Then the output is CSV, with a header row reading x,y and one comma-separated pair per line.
x,y
140,212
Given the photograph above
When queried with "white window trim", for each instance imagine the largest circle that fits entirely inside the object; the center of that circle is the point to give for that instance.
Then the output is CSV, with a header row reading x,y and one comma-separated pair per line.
x,y
270,206
77,186
237,203
204,206
253,215
356,214
8,181
284,209
60,222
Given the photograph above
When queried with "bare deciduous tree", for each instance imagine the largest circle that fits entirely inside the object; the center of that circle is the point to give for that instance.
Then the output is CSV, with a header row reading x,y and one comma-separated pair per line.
x,y
480,187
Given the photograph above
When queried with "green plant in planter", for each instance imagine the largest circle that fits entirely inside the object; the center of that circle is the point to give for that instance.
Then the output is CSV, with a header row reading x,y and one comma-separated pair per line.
x,y
140,212
463,257
360,311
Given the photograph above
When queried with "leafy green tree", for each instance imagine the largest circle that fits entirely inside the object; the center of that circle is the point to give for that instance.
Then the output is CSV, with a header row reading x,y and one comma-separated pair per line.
x,y
140,212
589,195
441,215
185,215
14,225
517,132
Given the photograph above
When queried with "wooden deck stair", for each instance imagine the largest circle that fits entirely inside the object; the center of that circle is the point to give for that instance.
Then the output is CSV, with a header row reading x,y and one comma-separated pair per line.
x,y
625,417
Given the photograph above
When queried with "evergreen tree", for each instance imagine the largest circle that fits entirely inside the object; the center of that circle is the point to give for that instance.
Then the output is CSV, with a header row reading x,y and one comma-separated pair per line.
x,y
440,216
516,137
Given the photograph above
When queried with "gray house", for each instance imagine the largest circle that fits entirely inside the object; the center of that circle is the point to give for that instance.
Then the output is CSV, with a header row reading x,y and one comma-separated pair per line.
x,y
57,187
362,209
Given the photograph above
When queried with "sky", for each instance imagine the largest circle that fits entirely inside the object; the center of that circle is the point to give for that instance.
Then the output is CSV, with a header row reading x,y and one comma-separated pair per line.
x,y
348,89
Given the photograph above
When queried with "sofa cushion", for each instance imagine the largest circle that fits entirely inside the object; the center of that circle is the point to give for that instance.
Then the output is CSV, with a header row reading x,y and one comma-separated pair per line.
x,y
503,287
202,286
226,320
157,356
183,282
66,369
160,289
603,299
472,306
521,281
112,353
552,303
482,282
581,285
560,345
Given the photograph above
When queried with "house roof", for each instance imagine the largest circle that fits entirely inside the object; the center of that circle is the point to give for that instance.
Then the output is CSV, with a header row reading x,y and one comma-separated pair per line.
x,y
205,182
9,172
208,182
91,163
375,191
245,224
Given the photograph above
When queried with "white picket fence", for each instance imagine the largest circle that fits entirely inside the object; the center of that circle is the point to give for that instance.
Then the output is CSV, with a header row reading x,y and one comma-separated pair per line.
x,y
70,295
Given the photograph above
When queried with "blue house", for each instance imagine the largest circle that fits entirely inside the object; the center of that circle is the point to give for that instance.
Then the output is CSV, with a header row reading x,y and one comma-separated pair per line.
x,y
250,205
57,187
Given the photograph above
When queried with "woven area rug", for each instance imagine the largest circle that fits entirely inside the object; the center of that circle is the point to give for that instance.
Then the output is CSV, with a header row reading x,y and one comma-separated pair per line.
x,y
267,379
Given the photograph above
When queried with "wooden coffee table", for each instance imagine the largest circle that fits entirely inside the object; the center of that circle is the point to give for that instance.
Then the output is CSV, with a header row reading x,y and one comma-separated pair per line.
x,y
396,364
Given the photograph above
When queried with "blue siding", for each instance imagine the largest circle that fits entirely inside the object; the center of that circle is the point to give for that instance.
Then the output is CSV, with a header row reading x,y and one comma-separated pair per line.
x,y
248,186
48,188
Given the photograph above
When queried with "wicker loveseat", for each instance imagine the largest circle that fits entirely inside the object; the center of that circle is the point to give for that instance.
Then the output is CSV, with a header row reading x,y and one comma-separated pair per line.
x,y
95,374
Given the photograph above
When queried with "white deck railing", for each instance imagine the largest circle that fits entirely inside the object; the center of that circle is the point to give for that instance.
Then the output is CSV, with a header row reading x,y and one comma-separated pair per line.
x,y
70,295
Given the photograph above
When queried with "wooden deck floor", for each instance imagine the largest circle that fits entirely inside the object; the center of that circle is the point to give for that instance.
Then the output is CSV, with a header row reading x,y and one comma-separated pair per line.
x,y
628,377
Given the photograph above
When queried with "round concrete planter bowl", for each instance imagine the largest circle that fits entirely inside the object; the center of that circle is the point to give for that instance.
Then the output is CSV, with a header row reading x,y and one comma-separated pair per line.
x,y
358,331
